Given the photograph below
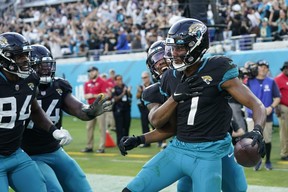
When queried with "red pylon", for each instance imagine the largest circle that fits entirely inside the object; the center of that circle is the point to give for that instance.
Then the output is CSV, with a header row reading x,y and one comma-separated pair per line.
x,y
109,140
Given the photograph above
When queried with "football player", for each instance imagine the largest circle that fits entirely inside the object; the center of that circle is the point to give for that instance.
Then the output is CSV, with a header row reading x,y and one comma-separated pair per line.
x,y
203,120
55,97
233,174
17,102
157,64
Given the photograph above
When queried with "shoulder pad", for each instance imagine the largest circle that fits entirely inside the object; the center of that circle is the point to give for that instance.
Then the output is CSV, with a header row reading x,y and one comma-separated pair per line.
x,y
62,83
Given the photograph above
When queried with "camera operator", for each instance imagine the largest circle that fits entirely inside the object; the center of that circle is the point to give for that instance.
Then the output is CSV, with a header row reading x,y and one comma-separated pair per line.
x,y
265,88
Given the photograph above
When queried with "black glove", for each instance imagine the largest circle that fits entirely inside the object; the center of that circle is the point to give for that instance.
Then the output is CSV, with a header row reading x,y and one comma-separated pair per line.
x,y
256,135
98,107
187,89
128,143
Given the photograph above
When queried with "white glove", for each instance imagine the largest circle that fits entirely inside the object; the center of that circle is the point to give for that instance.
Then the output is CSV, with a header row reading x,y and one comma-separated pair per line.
x,y
63,135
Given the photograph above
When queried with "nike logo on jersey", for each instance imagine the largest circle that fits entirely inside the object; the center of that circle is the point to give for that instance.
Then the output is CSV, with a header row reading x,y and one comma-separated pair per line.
x,y
230,155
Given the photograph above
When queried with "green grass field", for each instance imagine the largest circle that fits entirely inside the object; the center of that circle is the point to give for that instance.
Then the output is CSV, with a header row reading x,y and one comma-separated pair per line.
x,y
113,163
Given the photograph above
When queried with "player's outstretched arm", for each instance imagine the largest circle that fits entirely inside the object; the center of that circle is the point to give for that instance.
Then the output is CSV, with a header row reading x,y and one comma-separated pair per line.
x,y
76,108
243,95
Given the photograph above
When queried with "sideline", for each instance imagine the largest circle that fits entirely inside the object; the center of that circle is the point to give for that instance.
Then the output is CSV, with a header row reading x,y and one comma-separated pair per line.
x,y
109,183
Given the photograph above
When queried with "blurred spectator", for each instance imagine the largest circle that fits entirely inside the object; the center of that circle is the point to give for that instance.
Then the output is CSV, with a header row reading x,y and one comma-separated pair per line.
x,y
95,19
136,37
122,107
93,87
265,30
235,20
255,19
109,117
137,16
144,112
54,43
122,41
264,8
94,42
151,36
81,46
110,42
282,110
120,16
65,45
283,29
111,78
274,16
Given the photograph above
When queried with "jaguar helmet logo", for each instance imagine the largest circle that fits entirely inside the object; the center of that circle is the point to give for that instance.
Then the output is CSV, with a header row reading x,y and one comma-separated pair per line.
x,y
197,29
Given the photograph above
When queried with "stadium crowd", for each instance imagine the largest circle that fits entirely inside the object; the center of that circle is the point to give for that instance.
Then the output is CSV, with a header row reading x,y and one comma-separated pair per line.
x,y
124,25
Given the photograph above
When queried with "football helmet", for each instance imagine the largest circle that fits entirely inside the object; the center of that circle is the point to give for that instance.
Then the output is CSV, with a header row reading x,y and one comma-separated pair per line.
x,y
43,63
156,52
11,45
191,34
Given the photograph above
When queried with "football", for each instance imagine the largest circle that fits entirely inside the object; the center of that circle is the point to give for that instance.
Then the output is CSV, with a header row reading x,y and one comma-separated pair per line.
x,y
245,154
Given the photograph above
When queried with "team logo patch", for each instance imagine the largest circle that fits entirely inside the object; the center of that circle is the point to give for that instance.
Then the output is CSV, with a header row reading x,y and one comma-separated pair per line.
x,y
207,79
31,86
43,93
59,91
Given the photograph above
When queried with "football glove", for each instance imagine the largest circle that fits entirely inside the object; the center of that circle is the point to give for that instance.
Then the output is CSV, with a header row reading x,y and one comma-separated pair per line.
x,y
63,135
98,107
128,143
187,89
256,135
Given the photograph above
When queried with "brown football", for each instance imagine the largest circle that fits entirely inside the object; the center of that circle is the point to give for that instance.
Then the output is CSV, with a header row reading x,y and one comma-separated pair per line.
x,y
245,154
